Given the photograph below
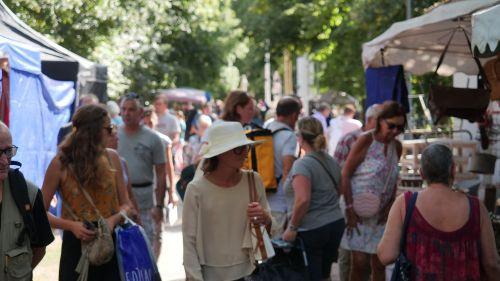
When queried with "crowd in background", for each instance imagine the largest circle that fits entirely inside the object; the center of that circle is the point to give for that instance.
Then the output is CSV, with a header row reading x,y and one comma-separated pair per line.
x,y
335,189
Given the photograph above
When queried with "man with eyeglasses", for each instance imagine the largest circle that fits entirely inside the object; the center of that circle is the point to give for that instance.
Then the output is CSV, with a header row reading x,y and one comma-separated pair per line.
x,y
19,254
144,152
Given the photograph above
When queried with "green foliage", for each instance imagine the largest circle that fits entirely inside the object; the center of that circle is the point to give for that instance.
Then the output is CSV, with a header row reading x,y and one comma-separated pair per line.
x,y
331,32
78,25
206,44
146,44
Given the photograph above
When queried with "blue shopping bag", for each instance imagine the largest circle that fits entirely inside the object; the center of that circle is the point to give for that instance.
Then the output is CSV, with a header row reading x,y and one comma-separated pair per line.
x,y
134,254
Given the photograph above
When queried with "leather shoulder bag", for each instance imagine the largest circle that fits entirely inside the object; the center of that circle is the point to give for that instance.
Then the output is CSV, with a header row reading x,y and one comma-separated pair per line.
x,y
463,103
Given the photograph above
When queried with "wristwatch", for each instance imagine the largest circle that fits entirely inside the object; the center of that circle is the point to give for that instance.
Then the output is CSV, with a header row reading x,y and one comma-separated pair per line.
x,y
292,227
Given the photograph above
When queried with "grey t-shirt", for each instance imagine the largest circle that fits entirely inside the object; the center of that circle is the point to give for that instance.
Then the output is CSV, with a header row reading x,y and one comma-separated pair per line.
x,y
168,124
142,151
324,205
284,143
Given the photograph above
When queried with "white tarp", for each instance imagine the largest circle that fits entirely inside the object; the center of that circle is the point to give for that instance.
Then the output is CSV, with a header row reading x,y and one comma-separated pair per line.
x,y
417,43
485,29
186,95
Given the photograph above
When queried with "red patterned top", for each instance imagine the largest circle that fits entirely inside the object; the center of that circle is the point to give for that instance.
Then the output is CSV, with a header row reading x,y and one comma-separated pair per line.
x,y
437,255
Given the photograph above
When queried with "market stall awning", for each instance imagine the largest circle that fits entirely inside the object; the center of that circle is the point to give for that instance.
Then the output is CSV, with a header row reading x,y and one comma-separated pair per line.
x,y
486,32
57,62
417,43
186,95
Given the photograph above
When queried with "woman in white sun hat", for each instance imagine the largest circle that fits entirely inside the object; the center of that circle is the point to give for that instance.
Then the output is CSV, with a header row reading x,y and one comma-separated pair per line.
x,y
217,209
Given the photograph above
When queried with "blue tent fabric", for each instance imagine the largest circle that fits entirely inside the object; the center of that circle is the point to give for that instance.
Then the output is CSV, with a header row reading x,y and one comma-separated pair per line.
x,y
39,106
386,83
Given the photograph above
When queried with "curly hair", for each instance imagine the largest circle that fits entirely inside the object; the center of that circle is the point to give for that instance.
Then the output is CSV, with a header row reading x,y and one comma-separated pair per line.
x,y
311,131
233,100
82,149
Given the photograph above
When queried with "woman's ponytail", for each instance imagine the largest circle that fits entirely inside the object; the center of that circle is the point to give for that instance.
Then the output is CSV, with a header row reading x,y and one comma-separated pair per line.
x,y
312,132
319,142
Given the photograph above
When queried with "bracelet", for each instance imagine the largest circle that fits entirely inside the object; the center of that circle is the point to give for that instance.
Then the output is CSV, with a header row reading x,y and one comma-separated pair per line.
x,y
292,227
160,206
349,206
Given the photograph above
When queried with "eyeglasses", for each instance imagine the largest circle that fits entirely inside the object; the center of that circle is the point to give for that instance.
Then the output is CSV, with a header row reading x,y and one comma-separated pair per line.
x,y
240,149
392,126
9,152
110,129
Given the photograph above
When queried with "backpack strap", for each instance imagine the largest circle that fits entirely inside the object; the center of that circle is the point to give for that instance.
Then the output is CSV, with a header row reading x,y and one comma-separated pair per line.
x,y
278,179
281,129
19,191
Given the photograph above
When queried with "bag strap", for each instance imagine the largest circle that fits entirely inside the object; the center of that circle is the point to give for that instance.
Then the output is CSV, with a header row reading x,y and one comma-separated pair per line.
x,y
441,58
409,212
332,178
281,129
390,154
19,192
479,66
85,193
251,187
478,63
257,229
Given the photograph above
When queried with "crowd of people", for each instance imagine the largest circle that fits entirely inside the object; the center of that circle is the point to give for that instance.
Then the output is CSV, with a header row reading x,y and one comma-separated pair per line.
x,y
336,191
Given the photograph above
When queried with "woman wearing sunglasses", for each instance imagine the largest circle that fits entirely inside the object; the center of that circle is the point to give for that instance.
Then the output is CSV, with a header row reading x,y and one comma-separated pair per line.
x,y
369,180
217,209
84,167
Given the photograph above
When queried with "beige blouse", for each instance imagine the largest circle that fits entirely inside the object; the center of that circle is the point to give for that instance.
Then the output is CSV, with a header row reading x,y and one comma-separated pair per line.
x,y
215,227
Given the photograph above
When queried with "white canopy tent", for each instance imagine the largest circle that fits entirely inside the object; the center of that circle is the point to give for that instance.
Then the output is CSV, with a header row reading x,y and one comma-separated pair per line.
x,y
186,95
417,43
486,31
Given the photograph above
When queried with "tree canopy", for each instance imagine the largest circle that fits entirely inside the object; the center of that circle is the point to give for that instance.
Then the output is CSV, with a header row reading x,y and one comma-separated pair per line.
x,y
207,44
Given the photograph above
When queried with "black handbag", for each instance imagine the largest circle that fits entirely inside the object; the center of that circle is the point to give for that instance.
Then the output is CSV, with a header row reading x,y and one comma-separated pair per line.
x,y
402,266
464,103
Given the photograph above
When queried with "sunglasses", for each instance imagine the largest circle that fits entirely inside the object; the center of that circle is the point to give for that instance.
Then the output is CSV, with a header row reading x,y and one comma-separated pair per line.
x,y
393,126
240,149
9,151
110,129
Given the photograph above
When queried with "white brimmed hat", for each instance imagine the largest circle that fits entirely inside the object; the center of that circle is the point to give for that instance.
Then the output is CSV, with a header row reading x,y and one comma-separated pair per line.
x,y
223,136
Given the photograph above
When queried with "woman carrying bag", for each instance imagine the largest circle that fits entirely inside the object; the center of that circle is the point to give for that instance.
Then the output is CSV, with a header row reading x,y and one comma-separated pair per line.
x,y
312,193
369,179
89,179
446,236
218,213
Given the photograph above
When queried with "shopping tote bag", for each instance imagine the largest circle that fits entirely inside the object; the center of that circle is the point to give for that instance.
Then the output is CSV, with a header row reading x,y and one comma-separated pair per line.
x,y
134,254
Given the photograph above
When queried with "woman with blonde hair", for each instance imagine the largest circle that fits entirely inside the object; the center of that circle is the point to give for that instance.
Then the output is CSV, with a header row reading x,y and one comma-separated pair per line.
x,y
312,193
84,165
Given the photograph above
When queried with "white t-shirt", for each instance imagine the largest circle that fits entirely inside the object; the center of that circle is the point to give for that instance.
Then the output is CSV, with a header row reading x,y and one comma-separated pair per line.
x,y
168,125
339,127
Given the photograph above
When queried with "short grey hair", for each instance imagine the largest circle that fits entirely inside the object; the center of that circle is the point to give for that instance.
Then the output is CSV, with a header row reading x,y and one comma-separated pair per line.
x,y
436,163
372,111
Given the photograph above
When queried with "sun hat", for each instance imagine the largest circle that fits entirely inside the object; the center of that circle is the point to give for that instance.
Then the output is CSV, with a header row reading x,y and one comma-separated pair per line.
x,y
223,136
